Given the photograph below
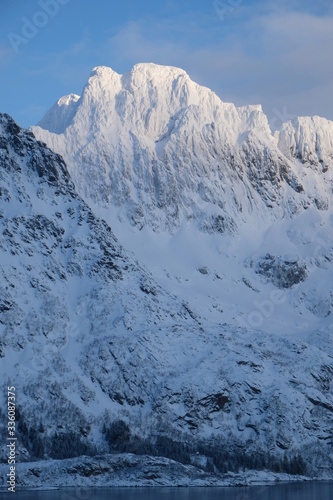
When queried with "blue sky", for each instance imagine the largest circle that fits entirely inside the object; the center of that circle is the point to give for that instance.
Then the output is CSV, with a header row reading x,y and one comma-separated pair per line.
x,y
277,53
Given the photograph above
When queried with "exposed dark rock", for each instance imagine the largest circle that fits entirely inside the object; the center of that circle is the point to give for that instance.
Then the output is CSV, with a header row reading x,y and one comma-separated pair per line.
x,y
280,272
215,402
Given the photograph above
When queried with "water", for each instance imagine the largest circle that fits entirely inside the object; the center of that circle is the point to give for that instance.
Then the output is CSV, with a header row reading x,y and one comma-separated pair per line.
x,y
294,491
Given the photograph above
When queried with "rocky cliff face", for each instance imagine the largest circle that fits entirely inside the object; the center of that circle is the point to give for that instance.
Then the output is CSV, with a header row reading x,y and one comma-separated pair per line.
x,y
66,283
89,337
309,140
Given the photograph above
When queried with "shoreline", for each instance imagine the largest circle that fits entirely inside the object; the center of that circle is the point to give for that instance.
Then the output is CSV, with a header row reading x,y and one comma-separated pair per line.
x,y
133,471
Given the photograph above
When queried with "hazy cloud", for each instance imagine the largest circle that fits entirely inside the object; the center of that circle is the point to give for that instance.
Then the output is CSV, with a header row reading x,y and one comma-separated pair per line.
x,y
278,54
277,58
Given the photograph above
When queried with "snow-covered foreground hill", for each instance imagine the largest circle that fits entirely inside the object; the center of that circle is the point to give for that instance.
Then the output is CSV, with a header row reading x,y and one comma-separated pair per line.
x,y
89,338
128,470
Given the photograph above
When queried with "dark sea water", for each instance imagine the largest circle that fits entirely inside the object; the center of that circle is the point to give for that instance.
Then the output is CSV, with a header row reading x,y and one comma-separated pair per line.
x,y
295,491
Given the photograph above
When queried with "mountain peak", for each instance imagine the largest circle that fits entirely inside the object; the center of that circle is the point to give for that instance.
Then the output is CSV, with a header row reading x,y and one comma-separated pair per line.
x,y
6,120
61,114
147,70
67,100
153,69
103,71
309,139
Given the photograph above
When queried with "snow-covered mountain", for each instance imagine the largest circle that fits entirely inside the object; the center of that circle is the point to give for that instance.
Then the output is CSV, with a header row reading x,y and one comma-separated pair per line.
x,y
88,337
162,150
221,337
191,183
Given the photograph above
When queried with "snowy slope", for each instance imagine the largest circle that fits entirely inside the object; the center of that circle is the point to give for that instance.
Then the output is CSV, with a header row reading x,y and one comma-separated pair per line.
x,y
89,336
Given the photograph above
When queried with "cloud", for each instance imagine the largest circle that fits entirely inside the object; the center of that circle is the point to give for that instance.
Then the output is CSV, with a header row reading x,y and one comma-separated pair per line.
x,y
274,57
305,41
297,57
274,53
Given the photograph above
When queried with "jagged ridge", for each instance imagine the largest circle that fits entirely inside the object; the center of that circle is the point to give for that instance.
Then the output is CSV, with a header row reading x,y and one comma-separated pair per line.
x,y
160,150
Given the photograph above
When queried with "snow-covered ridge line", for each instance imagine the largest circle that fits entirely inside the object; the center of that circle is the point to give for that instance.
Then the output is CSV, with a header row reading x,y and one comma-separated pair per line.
x,y
309,139
161,151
